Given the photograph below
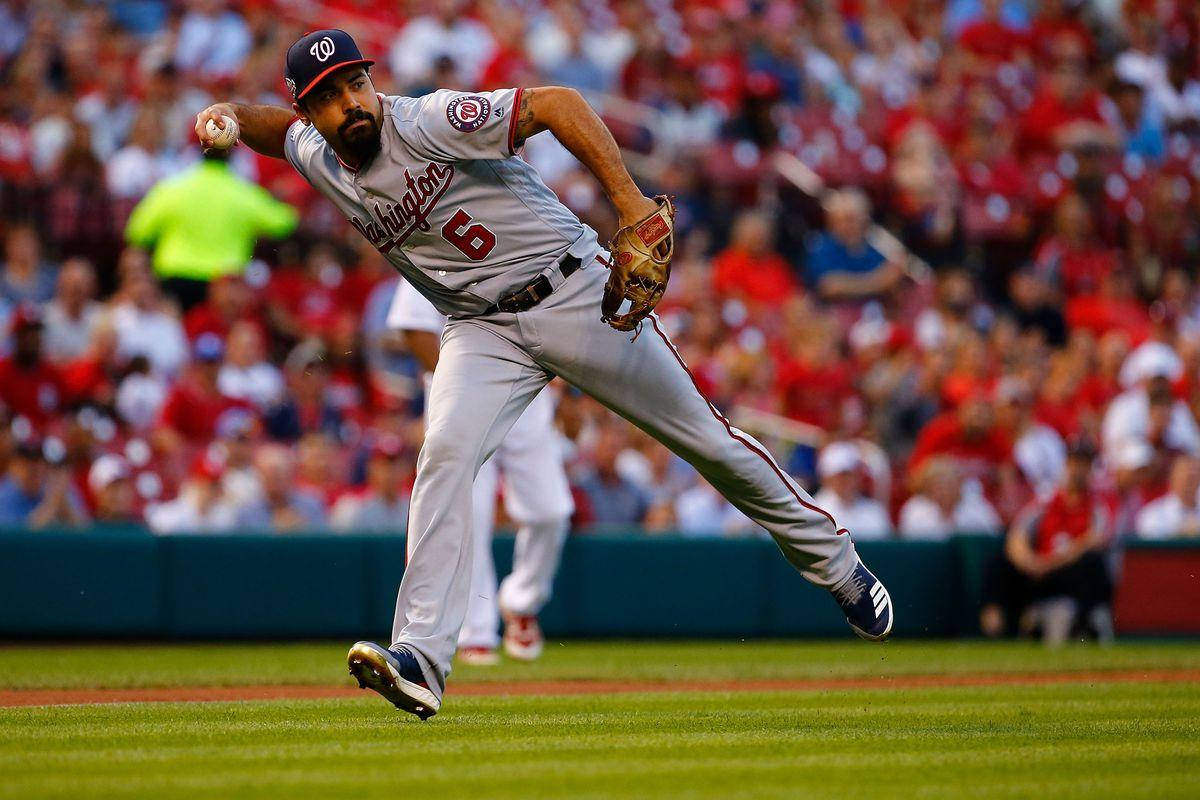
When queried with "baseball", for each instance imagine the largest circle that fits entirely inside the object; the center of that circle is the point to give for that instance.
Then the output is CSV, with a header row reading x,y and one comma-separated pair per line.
x,y
222,139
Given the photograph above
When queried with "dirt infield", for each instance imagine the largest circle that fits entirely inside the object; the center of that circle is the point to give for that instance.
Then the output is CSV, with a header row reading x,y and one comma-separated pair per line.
x,y
209,694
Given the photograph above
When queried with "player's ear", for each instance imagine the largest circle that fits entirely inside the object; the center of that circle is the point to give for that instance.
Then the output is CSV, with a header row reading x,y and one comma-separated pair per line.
x,y
298,110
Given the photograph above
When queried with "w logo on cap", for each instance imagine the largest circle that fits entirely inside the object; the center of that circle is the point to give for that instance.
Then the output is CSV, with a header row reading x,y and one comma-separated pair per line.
x,y
322,49
316,55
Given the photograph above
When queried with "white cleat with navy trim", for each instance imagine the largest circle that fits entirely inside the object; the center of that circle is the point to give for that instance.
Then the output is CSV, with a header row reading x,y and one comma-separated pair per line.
x,y
866,603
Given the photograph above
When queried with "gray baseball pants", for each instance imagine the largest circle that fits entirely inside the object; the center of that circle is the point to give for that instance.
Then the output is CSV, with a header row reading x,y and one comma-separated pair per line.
x,y
489,370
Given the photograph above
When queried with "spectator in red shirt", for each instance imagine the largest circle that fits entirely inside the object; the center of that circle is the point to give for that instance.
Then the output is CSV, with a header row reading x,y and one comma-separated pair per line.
x,y
1114,307
194,404
229,301
991,40
1053,558
30,386
749,268
1067,112
1057,19
1070,257
307,300
970,436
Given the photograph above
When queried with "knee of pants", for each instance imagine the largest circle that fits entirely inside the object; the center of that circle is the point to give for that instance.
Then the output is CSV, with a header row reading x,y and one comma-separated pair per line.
x,y
447,451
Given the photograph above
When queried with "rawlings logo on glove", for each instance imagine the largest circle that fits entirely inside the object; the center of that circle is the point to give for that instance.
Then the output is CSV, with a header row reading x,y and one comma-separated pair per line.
x,y
640,268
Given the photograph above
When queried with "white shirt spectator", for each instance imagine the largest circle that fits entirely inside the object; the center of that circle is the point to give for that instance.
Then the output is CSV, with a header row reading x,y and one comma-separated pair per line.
x,y
466,41
157,336
921,518
1041,454
866,519
368,512
65,337
701,511
109,122
1128,417
1145,69
1176,106
139,399
1167,517
184,515
213,44
261,384
132,171
241,486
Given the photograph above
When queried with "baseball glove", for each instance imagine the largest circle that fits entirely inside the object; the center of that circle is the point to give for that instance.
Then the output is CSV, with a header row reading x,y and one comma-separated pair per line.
x,y
641,264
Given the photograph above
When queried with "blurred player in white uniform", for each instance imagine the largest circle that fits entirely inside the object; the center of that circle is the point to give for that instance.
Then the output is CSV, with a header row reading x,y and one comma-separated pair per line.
x,y
536,496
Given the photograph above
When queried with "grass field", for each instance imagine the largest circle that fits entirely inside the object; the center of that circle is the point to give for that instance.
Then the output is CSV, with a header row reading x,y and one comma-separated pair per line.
x,y
859,724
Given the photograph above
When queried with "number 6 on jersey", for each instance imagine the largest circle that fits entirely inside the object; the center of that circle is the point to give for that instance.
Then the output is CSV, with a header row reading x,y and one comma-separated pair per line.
x,y
473,241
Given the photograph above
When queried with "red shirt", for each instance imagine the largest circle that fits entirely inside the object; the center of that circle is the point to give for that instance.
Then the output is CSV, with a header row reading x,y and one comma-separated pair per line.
x,y
314,303
1065,518
1080,269
766,279
993,40
1103,314
979,458
203,318
36,392
193,410
1049,113
87,378
814,393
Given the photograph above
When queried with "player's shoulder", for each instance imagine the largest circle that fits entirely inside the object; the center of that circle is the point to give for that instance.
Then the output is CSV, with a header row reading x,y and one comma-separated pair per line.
x,y
303,138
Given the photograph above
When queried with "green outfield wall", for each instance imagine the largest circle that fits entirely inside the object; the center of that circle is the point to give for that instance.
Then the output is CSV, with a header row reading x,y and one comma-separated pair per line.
x,y
127,583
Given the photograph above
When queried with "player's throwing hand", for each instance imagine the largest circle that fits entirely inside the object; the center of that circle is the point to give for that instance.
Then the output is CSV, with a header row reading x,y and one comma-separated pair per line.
x,y
216,114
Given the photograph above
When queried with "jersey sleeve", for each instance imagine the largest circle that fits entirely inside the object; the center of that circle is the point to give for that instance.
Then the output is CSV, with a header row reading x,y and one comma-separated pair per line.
x,y
301,146
463,126
410,311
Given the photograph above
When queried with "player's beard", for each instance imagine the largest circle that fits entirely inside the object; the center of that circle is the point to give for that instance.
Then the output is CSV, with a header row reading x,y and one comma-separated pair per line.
x,y
362,142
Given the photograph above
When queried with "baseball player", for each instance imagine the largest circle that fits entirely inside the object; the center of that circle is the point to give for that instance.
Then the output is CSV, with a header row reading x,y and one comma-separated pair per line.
x,y
536,495
435,184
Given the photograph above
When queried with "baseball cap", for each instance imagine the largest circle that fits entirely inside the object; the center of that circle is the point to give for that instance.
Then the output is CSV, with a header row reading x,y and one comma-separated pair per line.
x,y
235,422
106,470
837,458
1150,360
208,347
387,446
315,55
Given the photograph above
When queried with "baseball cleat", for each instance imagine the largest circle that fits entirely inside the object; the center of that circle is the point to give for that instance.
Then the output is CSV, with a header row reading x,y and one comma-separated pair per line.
x,y
866,603
523,638
394,674
478,656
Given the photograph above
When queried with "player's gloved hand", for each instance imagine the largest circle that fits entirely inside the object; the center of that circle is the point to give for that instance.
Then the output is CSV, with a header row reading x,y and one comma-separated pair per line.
x,y
641,265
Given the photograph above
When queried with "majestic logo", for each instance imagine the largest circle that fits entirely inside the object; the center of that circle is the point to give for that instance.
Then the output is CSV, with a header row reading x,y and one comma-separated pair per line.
x,y
390,224
468,113
322,49
291,84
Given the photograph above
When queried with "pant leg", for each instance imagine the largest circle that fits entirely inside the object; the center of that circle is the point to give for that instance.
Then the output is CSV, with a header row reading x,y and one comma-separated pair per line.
x,y
482,384
538,497
646,381
482,625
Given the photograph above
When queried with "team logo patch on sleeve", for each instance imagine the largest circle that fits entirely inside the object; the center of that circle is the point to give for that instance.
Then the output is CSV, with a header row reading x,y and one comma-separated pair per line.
x,y
468,113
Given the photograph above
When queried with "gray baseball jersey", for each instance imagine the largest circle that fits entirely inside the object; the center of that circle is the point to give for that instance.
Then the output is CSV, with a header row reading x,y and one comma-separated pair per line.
x,y
466,223
446,201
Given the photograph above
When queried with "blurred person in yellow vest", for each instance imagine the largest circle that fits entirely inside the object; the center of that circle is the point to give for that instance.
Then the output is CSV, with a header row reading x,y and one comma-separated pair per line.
x,y
203,223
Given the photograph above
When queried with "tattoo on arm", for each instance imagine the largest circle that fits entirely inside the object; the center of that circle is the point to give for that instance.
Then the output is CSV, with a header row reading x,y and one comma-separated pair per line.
x,y
526,124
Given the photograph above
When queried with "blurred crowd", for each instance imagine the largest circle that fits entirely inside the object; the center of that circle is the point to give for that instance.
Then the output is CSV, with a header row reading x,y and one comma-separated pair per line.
x,y
931,251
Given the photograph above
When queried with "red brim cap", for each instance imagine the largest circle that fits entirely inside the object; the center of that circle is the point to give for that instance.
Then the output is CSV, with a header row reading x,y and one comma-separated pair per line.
x,y
360,62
